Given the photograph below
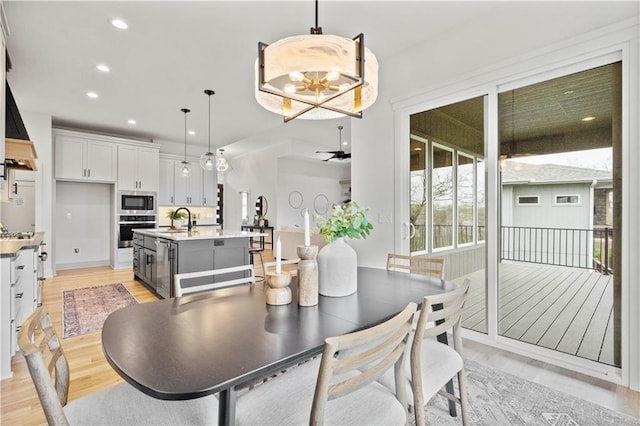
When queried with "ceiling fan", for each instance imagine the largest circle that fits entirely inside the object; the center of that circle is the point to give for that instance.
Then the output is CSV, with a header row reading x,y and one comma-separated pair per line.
x,y
338,155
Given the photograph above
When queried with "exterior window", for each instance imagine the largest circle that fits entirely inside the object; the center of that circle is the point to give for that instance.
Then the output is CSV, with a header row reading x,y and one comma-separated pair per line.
x,y
465,198
567,199
528,200
442,196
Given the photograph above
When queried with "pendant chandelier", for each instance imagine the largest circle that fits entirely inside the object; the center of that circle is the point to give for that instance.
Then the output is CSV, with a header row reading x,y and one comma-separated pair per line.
x,y
208,159
185,166
316,76
221,163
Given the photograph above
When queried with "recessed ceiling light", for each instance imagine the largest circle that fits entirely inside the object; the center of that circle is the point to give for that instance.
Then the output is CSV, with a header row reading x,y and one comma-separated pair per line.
x,y
92,95
588,118
119,23
417,149
103,68
192,132
131,121
345,143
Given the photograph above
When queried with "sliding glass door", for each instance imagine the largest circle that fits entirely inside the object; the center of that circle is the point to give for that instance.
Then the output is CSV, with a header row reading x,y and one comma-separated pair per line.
x,y
447,195
560,222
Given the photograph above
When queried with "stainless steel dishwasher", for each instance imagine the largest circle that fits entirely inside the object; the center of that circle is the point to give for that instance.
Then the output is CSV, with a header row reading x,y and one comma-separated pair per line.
x,y
165,250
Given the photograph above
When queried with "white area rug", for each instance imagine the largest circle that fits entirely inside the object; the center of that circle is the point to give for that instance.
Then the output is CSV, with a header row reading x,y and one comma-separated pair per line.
x,y
498,398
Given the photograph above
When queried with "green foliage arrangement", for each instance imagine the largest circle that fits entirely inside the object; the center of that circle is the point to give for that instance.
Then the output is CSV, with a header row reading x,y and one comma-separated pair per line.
x,y
181,215
346,221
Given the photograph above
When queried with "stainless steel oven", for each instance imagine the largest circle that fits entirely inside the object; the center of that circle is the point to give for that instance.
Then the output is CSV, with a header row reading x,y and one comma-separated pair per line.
x,y
136,203
127,224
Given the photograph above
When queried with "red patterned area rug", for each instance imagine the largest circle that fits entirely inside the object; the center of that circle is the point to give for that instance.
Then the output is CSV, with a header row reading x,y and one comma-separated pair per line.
x,y
84,310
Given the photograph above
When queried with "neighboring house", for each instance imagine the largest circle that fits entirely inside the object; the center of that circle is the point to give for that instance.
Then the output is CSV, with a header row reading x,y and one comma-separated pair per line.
x,y
549,212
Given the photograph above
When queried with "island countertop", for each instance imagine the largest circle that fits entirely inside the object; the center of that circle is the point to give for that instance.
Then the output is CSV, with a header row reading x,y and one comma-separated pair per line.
x,y
197,234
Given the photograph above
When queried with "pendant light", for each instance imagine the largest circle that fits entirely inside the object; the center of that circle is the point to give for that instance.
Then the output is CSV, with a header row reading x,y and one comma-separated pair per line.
x,y
208,159
221,163
316,76
185,168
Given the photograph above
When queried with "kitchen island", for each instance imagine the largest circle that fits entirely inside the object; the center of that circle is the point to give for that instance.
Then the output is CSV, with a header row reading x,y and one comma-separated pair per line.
x,y
159,254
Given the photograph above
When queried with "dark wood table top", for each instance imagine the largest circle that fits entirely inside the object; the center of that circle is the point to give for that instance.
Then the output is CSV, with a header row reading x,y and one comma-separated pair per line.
x,y
200,344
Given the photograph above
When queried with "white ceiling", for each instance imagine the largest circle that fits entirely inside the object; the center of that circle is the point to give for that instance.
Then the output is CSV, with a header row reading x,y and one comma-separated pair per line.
x,y
172,51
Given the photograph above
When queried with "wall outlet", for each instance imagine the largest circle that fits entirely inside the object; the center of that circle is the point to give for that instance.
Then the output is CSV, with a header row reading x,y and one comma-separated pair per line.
x,y
76,250
384,218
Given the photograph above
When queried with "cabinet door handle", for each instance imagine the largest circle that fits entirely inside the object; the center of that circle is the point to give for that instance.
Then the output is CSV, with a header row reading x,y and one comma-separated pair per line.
x,y
84,172
204,200
172,199
15,188
88,172
19,295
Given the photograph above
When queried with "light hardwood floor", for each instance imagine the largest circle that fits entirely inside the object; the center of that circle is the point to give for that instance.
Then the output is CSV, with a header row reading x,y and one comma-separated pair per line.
x,y
90,371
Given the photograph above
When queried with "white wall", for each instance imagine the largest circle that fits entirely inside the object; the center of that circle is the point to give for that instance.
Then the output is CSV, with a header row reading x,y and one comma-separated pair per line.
x,y
310,178
39,128
258,172
83,220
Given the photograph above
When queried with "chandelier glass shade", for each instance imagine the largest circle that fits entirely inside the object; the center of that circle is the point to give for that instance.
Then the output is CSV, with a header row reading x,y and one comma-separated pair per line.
x,y
316,76
221,163
208,159
185,166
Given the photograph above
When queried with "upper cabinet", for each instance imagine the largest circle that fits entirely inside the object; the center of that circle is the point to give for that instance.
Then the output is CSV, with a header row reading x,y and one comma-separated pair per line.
x,y
187,190
80,156
166,184
199,189
209,188
137,168
85,159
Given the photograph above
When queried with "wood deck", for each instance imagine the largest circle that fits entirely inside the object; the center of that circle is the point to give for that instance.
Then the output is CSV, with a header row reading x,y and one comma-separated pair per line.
x,y
566,309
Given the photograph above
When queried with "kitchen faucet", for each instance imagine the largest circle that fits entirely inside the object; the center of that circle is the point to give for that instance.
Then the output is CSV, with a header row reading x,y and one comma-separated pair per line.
x,y
188,213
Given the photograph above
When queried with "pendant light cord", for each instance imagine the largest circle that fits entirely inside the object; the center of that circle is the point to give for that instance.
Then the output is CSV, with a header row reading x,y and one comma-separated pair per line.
x,y
209,92
186,111
316,29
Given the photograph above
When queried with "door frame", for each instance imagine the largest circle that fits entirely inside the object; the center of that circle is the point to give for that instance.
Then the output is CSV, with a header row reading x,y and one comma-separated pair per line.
x,y
593,50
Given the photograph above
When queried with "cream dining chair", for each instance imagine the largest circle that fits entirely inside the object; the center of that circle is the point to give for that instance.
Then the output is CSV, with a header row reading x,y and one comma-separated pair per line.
x,y
344,379
416,264
120,404
207,280
433,364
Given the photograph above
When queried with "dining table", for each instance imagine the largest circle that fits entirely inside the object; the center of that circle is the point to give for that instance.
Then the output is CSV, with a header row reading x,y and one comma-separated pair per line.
x,y
225,340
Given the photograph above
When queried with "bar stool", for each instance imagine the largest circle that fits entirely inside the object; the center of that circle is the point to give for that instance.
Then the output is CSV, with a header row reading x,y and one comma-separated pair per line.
x,y
257,250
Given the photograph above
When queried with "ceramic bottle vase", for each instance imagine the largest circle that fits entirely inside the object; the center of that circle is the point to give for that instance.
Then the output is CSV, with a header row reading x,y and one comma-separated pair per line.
x,y
337,269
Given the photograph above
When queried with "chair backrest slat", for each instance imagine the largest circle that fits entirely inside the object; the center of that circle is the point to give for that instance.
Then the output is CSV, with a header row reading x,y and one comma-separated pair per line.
x,y
441,312
416,264
180,289
38,340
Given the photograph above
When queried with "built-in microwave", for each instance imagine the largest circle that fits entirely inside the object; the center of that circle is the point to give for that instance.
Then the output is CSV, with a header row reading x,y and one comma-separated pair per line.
x,y
137,202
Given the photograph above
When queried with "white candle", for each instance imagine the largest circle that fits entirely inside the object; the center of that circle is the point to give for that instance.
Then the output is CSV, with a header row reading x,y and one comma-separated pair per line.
x,y
307,237
278,255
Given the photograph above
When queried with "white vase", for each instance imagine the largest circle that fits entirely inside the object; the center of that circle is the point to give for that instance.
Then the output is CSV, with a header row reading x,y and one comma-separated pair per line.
x,y
337,269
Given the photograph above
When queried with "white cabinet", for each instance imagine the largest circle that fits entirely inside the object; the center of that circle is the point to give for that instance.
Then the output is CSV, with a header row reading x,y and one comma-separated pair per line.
x,y
209,188
26,284
187,190
166,182
85,159
200,189
137,168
